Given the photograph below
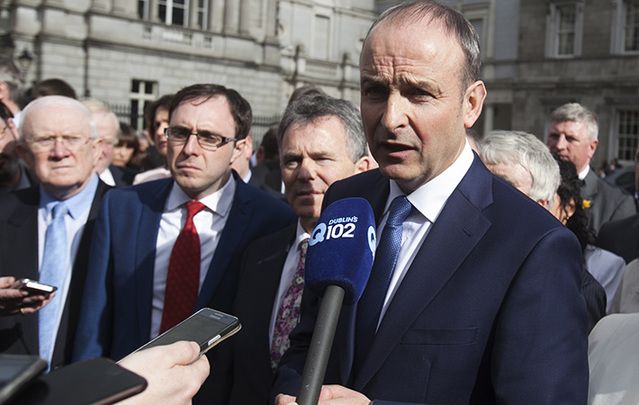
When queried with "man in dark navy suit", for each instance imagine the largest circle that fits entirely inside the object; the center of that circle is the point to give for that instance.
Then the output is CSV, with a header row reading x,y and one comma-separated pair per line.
x,y
60,146
321,140
166,248
481,303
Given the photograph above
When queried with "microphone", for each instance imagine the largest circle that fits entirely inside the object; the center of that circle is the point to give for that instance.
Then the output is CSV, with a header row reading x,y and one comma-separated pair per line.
x,y
338,263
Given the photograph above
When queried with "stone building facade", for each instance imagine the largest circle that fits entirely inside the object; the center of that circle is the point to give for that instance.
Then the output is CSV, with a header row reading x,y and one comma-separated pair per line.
x,y
539,54
128,52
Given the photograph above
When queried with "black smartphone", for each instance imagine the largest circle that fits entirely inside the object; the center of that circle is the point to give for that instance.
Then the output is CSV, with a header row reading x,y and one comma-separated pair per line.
x,y
97,381
207,327
16,371
34,287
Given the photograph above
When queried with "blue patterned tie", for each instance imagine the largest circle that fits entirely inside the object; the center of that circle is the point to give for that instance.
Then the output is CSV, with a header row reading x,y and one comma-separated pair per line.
x,y
53,272
370,305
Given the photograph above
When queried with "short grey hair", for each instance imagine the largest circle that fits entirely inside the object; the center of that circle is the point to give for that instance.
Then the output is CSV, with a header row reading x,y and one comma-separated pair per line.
x,y
48,101
310,107
454,22
575,112
99,107
527,151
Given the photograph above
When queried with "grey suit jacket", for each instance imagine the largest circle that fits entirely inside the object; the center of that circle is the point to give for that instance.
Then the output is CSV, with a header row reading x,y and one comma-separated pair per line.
x,y
627,297
607,202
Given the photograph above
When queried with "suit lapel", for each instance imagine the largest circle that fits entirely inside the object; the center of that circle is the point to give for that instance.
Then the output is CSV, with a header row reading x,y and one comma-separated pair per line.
x,y
149,224
71,313
589,189
23,257
376,194
230,239
457,230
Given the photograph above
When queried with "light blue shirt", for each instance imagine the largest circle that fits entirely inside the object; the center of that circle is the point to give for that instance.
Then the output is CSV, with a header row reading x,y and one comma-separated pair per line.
x,y
79,206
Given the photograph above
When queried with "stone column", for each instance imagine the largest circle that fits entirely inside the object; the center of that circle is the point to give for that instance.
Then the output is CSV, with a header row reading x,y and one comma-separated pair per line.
x,y
489,117
232,17
216,15
153,11
271,20
125,8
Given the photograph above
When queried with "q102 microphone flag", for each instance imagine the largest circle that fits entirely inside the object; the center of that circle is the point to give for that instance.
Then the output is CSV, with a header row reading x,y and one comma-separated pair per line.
x,y
341,248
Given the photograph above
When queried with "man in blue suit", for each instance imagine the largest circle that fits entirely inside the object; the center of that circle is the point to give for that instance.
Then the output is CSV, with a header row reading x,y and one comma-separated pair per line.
x,y
481,302
166,248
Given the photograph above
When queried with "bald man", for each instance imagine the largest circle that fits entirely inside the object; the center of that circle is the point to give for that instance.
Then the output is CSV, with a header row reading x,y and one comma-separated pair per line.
x,y
45,230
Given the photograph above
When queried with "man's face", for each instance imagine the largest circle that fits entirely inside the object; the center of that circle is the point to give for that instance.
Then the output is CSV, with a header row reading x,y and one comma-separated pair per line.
x,y
412,106
160,122
197,171
571,142
107,129
312,157
63,168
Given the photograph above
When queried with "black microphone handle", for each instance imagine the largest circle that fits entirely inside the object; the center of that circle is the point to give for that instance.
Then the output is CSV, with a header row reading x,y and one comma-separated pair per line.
x,y
321,343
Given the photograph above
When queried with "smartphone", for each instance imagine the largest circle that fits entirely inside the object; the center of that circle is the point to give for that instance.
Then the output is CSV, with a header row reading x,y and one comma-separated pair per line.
x,y
34,287
207,327
16,371
97,381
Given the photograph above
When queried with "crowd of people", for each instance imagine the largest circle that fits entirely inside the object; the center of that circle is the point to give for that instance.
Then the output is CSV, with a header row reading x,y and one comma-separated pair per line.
x,y
506,269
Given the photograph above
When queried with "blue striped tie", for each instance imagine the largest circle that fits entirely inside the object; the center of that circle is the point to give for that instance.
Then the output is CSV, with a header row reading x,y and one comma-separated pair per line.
x,y
386,254
53,272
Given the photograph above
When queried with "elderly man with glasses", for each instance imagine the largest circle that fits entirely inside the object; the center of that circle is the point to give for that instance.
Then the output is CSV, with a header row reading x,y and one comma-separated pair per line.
x,y
45,230
166,248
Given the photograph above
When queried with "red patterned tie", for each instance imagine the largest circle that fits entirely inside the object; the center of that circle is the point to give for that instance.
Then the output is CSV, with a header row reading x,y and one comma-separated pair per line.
x,y
183,278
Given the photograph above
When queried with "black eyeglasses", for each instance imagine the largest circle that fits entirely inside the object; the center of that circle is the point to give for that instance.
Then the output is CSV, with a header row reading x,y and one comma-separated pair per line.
x,y
207,140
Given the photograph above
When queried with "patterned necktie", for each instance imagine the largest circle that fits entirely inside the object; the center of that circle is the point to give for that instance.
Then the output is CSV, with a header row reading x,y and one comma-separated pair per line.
x,y
54,272
288,314
183,278
372,301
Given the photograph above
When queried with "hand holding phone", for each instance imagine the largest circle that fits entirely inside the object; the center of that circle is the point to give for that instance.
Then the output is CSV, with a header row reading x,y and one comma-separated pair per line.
x,y
207,327
23,296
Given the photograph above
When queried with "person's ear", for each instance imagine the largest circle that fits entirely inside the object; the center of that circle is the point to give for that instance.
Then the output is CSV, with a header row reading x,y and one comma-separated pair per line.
x,y
473,102
238,150
363,164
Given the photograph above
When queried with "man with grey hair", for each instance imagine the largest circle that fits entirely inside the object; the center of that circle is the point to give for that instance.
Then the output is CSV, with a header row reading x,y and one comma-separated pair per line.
x,y
573,136
526,163
108,128
458,308
45,231
523,161
321,141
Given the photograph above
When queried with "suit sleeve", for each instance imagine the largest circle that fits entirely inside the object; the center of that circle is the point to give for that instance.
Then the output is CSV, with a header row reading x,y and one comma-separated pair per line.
x,y
625,209
540,351
540,347
94,328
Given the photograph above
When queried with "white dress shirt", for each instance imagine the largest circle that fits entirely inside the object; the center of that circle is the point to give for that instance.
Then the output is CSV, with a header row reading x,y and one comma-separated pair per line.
x,y
288,271
209,223
107,177
428,202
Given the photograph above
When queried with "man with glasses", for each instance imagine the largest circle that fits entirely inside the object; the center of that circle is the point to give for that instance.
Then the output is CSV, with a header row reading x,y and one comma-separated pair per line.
x,y
166,248
45,231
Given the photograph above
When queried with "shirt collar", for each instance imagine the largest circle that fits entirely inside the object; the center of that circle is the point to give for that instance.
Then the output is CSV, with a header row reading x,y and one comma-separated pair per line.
x,y
429,199
78,205
218,202
300,234
582,174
